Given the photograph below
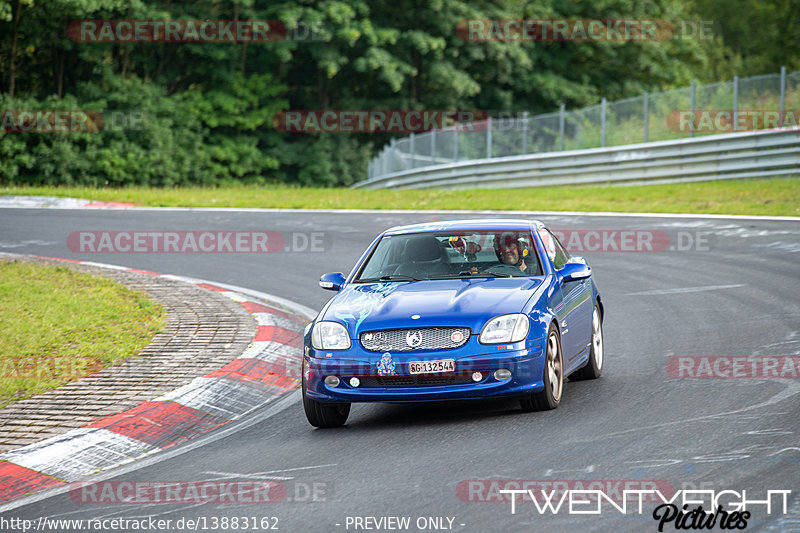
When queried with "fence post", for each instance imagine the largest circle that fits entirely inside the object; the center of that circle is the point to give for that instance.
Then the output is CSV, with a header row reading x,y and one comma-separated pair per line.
x,y
603,123
783,96
489,138
433,146
524,132
369,170
455,136
384,162
393,151
646,116
735,101
411,149
691,108
561,125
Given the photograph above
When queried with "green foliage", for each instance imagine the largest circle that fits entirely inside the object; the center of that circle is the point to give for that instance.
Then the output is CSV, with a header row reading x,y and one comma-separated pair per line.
x,y
208,108
751,36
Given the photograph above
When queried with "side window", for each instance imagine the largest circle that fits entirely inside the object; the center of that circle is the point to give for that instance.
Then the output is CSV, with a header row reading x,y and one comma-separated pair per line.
x,y
381,257
557,254
562,256
549,243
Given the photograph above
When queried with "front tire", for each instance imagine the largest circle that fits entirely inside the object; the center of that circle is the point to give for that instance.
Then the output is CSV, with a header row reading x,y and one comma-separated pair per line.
x,y
552,376
324,415
594,368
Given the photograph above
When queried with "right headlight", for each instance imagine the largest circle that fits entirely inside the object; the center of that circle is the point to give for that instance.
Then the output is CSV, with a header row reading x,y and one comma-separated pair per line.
x,y
505,328
330,336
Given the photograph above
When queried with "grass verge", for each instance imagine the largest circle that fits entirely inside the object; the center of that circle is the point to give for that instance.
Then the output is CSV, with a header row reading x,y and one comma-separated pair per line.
x,y
775,196
60,325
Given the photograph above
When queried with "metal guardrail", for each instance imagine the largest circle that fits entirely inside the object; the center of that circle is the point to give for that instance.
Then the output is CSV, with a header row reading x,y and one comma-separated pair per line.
x,y
727,156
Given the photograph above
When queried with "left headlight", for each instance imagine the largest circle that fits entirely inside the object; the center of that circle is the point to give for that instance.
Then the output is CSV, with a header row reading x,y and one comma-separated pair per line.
x,y
505,328
330,336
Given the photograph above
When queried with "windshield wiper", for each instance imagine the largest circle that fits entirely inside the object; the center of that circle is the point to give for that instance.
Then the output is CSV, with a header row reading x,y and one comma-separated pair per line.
x,y
391,277
469,274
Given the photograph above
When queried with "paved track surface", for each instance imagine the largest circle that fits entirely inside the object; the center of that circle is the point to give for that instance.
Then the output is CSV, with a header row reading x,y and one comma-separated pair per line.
x,y
737,296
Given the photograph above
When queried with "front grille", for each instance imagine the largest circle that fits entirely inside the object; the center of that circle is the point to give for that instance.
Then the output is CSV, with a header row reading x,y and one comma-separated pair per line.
x,y
414,381
406,340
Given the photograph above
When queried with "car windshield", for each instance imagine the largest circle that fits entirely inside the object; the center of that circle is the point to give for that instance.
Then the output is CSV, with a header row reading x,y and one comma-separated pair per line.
x,y
451,255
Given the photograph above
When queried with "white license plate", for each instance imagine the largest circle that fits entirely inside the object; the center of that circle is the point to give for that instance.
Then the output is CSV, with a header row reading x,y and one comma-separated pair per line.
x,y
425,367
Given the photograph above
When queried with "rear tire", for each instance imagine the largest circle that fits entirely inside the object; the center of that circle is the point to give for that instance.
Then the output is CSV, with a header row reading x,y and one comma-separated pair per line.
x,y
552,376
594,368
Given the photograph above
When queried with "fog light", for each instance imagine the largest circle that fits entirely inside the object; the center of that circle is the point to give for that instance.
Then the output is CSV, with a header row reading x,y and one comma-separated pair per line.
x,y
355,382
477,376
502,374
331,381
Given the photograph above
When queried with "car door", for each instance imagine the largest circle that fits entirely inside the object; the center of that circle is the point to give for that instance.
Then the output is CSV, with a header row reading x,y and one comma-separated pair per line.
x,y
574,303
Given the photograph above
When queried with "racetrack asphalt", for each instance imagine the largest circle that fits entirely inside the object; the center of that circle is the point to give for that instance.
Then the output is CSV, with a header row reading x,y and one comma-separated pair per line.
x,y
736,294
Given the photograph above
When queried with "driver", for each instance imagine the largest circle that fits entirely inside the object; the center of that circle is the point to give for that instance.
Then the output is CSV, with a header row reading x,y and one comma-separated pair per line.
x,y
510,250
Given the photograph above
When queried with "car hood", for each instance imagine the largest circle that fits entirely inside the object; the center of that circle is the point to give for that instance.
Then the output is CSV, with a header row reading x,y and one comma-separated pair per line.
x,y
435,303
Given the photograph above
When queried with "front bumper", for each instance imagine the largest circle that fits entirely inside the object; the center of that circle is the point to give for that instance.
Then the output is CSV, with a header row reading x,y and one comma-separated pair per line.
x,y
524,359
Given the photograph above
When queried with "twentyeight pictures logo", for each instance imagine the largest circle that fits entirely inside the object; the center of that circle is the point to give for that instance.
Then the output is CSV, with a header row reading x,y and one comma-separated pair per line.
x,y
730,509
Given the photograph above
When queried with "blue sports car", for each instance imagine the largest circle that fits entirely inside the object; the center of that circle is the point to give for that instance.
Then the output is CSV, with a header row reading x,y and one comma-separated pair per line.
x,y
454,310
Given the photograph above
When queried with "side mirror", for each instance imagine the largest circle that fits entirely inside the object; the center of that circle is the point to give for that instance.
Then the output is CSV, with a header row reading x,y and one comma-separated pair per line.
x,y
575,270
332,281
